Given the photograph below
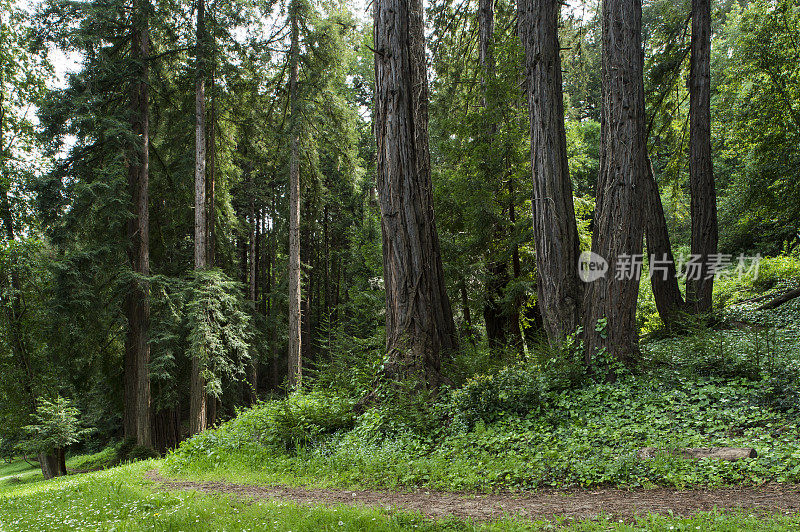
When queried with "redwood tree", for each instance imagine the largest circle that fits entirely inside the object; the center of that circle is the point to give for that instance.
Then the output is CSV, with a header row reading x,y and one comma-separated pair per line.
x,y
609,318
555,230
701,170
295,361
197,400
419,319
137,305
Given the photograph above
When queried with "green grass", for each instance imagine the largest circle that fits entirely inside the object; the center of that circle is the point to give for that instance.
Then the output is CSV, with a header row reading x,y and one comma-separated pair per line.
x,y
121,499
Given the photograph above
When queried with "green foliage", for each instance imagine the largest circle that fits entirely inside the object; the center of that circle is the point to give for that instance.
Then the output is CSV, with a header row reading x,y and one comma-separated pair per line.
x,y
56,426
513,390
757,86
518,428
218,328
275,427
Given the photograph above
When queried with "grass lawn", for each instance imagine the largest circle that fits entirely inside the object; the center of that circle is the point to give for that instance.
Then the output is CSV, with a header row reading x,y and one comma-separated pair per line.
x,y
122,499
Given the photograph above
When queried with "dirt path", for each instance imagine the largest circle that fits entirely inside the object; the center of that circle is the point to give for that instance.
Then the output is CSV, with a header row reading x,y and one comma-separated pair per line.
x,y
541,504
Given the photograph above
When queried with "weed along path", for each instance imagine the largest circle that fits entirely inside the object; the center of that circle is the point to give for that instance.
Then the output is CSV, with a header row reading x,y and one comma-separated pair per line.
x,y
577,504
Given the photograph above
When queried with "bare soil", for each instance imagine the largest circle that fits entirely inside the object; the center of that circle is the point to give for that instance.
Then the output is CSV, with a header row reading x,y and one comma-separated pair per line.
x,y
542,504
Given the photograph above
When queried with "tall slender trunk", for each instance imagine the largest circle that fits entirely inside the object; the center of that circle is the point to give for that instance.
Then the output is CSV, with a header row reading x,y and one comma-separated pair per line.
x,y
701,168
197,404
554,226
514,328
663,273
137,346
253,369
495,315
618,224
419,319
211,210
462,287
295,360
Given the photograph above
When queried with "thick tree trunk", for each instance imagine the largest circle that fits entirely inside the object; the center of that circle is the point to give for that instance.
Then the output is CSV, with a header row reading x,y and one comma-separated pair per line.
x,y
618,224
701,170
197,403
554,226
419,319
137,346
295,360
166,429
663,273
53,464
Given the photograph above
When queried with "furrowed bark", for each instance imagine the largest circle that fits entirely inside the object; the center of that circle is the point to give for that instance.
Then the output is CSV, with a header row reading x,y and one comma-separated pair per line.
x,y
419,319
618,224
197,403
137,347
663,273
555,229
701,170
295,334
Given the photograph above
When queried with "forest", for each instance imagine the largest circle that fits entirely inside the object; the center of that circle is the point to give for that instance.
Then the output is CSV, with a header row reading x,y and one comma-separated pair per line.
x,y
259,255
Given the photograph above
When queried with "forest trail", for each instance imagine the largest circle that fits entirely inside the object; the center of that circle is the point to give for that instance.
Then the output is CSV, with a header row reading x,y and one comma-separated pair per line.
x,y
576,504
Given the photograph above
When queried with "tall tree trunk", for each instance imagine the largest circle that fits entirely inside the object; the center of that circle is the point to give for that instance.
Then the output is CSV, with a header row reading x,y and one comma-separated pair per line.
x,y
554,226
701,169
618,224
253,369
462,286
514,328
295,360
419,318
197,404
663,273
495,315
211,210
137,346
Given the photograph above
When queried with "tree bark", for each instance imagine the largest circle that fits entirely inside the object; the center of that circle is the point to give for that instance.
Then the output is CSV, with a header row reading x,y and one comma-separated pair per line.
x,y
295,360
462,286
696,453
663,273
137,347
781,299
701,169
495,316
554,226
493,313
211,140
197,403
253,369
618,224
419,318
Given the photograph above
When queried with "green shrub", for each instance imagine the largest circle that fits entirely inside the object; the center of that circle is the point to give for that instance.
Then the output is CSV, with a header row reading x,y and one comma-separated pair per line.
x,y
140,452
511,390
275,427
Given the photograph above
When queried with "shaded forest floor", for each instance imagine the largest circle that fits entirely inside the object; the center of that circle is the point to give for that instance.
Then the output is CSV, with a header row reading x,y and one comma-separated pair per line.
x,y
543,504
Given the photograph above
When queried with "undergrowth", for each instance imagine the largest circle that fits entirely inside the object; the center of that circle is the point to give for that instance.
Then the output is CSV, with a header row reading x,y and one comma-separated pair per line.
x,y
542,422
